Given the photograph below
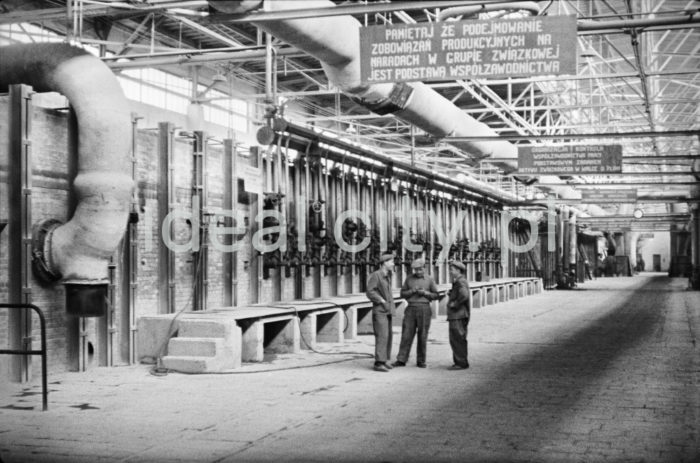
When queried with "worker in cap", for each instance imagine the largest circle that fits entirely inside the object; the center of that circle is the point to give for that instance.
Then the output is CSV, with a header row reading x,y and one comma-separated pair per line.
x,y
383,309
419,290
458,265
458,312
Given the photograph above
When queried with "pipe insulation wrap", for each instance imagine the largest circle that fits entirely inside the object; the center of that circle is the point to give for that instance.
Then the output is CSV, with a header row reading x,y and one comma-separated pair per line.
x,y
80,248
473,10
236,7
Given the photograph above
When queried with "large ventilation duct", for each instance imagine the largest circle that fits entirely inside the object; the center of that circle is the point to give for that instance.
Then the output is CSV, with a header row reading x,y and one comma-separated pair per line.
x,y
77,252
335,42
472,10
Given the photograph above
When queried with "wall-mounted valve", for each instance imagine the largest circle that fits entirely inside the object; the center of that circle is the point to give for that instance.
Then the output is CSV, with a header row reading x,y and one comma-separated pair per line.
x,y
271,260
316,223
374,247
272,200
437,249
349,230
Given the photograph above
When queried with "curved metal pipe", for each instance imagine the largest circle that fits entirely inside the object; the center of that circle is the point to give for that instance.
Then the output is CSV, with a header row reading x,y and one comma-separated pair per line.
x,y
476,9
692,17
335,42
79,250
235,7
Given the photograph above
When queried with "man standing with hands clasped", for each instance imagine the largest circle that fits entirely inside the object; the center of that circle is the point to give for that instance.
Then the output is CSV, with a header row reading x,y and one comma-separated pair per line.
x,y
383,309
418,290
458,312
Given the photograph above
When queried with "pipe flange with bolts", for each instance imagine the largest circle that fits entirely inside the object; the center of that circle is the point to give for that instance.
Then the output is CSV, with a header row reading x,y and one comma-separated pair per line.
x,y
41,251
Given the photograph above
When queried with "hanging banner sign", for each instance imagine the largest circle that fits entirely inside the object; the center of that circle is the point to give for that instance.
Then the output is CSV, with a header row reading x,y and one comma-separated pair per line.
x,y
252,179
451,50
609,196
569,160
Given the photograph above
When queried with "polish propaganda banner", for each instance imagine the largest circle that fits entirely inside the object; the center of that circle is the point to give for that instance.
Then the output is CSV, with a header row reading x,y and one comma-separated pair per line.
x,y
452,50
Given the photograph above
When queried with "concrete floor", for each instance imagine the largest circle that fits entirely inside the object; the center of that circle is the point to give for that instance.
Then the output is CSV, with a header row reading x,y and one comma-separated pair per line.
x,y
607,372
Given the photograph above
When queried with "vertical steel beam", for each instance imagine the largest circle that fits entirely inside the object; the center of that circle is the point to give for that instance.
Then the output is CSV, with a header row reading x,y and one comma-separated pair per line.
x,y
277,158
200,191
332,214
229,190
166,202
107,326
257,205
695,247
298,217
131,257
78,327
19,226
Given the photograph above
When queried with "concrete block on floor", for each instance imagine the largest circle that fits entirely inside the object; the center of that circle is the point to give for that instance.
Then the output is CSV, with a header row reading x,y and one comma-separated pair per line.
x,y
491,295
322,326
364,320
201,347
190,364
217,348
307,331
273,335
502,292
204,328
512,291
350,331
476,297
252,348
329,326
152,336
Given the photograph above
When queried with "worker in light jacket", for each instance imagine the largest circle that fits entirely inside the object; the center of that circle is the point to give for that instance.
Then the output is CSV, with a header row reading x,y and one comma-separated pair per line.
x,y
458,311
383,310
419,290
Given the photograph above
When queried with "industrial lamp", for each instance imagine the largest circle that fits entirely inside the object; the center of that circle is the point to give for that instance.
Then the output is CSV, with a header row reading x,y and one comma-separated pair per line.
x,y
219,77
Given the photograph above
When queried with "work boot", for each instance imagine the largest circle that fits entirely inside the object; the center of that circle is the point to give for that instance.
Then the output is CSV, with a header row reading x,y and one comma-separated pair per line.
x,y
458,367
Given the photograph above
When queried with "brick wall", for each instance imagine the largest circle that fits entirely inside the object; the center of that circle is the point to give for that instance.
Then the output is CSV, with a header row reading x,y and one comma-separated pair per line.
x,y
50,200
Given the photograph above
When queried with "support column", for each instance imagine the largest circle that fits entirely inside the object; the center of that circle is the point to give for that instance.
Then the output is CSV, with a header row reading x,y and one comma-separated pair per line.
x,y
20,227
695,247
559,253
573,244
631,239
200,191
228,262
130,254
166,199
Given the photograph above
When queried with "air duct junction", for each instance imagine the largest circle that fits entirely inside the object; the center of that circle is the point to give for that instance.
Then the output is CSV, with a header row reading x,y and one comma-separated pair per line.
x,y
77,252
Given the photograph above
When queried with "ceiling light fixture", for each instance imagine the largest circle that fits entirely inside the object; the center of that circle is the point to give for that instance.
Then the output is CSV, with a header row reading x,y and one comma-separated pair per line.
x,y
219,77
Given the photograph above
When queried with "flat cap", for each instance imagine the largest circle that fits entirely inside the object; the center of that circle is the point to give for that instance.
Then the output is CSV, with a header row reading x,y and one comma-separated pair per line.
x,y
458,265
386,257
418,263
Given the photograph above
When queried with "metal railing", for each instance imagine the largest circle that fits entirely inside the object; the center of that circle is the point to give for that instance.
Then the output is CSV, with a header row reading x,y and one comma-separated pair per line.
x,y
42,351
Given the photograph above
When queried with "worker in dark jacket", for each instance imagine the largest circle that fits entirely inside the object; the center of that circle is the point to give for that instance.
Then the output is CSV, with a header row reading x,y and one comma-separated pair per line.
x,y
458,311
418,290
383,309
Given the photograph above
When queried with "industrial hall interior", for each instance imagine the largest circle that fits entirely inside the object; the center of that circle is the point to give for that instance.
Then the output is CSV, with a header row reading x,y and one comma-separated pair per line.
x,y
224,225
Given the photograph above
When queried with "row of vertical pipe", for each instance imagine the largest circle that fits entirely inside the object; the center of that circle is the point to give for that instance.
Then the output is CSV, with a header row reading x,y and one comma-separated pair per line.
x,y
329,218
